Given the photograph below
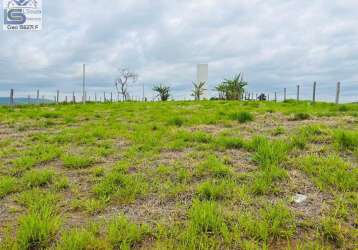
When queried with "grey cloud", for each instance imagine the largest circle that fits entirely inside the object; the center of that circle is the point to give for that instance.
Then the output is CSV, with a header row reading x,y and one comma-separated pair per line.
x,y
276,43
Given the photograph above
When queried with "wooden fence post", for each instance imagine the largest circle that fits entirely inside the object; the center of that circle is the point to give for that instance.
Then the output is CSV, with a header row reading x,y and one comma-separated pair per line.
x,y
275,96
38,96
298,92
338,92
11,97
104,96
284,94
95,96
314,92
111,97
73,97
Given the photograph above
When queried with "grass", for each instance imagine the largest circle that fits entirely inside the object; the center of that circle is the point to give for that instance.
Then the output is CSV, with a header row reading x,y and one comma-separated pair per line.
x,y
331,172
38,178
179,175
242,117
346,140
123,234
216,190
301,116
7,185
76,161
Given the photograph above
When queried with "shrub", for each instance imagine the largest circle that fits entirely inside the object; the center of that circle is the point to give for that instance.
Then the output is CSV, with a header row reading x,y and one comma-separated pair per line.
x,y
242,116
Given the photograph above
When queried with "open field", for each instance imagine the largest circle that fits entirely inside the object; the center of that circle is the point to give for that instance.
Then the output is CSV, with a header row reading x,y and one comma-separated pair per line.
x,y
179,175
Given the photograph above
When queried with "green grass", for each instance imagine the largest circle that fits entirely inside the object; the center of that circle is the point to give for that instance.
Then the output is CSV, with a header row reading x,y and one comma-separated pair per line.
x,y
179,175
216,190
206,217
242,117
214,167
7,185
123,234
331,172
346,140
38,178
76,161
300,116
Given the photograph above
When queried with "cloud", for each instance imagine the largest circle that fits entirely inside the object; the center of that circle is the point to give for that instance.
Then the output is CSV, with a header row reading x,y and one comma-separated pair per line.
x,y
276,43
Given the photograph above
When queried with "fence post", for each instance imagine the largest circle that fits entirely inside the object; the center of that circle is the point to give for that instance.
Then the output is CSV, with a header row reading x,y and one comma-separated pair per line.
x,y
298,92
95,96
111,97
275,96
268,96
28,99
284,94
11,97
314,92
104,96
38,96
338,92
66,99
73,97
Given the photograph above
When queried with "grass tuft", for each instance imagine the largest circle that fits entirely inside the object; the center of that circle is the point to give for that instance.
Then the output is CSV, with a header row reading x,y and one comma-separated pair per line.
x,y
242,117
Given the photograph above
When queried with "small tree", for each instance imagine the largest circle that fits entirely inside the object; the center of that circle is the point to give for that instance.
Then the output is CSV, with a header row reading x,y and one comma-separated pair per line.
x,y
198,90
121,83
232,89
163,91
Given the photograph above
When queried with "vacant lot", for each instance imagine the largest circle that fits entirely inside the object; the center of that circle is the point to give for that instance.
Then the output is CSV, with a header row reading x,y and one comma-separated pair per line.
x,y
179,175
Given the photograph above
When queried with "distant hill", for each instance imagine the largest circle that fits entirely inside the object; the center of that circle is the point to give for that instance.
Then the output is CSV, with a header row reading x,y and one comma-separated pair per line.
x,y
20,100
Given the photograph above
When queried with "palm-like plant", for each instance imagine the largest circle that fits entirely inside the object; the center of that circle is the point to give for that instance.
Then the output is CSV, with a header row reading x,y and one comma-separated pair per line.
x,y
232,89
163,91
198,90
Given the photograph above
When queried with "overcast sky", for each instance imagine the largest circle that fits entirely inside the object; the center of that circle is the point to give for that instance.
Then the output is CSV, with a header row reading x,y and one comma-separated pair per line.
x,y
277,43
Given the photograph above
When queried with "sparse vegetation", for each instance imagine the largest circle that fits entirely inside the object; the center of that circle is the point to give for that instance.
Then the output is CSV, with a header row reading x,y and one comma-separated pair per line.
x,y
179,175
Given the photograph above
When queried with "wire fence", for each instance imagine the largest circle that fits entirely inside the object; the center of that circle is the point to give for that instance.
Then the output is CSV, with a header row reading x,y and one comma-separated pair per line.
x,y
84,97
